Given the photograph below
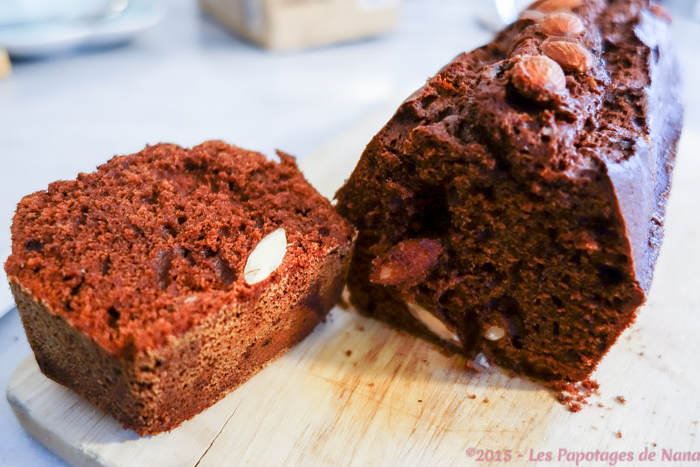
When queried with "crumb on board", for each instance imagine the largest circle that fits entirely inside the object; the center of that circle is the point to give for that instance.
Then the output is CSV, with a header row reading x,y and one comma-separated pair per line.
x,y
486,400
601,405
621,399
472,396
348,352
420,400
370,384
574,395
361,328
619,434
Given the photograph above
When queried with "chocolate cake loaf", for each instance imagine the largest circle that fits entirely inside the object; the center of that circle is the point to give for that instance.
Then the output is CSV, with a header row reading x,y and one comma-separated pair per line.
x,y
157,284
513,208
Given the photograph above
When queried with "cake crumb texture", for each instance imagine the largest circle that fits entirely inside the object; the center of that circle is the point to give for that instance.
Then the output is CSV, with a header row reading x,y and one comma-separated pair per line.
x,y
520,195
129,280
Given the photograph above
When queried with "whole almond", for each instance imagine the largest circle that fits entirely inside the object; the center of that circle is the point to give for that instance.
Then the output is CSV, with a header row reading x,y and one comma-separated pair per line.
x,y
408,261
537,77
554,6
562,24
532,15
661,12
571,56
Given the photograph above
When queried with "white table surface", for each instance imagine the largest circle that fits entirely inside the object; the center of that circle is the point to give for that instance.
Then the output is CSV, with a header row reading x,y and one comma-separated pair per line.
x,y
186,81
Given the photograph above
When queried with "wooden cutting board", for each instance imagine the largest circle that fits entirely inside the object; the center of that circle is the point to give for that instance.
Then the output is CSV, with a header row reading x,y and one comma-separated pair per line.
x,y
358,393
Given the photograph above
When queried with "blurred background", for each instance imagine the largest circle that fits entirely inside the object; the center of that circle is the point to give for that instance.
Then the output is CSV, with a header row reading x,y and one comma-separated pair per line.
x,y
84,80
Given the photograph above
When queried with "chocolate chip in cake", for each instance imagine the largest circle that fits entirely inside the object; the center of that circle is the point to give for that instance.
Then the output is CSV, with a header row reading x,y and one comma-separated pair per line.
x,y
33,245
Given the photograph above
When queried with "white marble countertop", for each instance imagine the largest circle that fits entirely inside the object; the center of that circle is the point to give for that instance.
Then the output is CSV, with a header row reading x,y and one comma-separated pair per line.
x,y
187,81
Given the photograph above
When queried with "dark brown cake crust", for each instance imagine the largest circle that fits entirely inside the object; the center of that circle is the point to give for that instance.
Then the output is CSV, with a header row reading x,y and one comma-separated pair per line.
x,y
537,168
130,280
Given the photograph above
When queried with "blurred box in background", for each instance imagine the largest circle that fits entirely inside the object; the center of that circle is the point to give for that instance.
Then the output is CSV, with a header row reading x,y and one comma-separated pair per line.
x,y
5,66
283,25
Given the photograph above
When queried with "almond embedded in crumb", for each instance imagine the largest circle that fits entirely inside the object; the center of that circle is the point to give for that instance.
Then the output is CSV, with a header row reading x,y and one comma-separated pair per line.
x,y
562,24
554,6
266,257
386,274
494,333
569,55
480,363
537,77
433,323
586,241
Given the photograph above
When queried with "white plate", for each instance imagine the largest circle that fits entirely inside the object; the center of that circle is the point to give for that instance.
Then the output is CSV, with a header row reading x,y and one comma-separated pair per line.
x,y
48,38
15,12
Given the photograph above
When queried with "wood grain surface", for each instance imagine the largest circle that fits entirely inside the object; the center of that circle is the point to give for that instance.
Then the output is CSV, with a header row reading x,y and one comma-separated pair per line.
x,y
358,393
